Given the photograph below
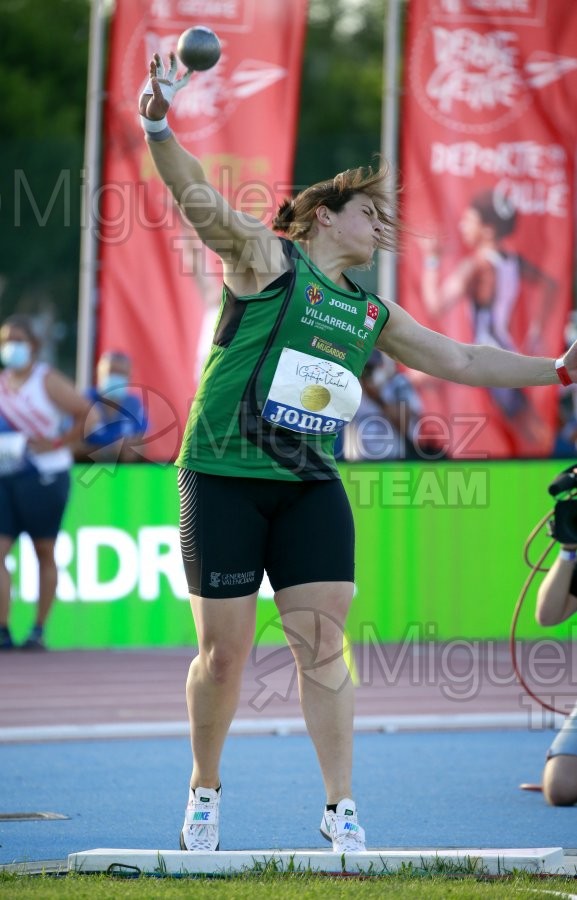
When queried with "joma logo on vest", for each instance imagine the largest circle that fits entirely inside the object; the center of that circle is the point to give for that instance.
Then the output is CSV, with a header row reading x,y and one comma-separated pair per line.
x,y
298,420
344,306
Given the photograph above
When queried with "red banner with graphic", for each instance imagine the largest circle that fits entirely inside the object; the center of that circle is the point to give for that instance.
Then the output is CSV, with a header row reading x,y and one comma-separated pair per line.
x,y
157,290
488,131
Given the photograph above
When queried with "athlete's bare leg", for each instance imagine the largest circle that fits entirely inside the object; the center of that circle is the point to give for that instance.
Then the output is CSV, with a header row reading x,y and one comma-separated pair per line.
x,y
314,616
225,631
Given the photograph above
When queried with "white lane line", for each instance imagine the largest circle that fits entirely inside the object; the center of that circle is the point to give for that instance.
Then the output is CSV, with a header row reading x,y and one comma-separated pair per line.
x,y
263,725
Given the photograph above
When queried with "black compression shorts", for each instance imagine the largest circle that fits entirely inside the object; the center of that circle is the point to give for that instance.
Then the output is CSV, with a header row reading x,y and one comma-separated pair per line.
x,y
232,529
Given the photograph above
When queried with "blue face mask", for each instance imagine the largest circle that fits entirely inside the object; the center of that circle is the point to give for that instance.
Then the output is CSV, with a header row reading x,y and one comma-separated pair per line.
x,y
15,354
114,386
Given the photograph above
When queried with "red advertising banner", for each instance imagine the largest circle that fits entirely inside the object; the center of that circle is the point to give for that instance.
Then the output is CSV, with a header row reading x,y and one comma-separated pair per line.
x,y
489,127
239,118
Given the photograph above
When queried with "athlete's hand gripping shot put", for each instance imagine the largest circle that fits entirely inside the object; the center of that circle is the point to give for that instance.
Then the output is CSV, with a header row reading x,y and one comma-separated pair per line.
x,y
293,336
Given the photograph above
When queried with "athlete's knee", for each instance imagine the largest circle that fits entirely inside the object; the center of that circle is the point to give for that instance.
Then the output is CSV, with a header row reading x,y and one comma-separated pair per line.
x,y
318,641
223,661
331,643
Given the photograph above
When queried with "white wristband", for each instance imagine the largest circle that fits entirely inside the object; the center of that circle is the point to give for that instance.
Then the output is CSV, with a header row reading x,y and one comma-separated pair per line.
x,y
151,126
569,555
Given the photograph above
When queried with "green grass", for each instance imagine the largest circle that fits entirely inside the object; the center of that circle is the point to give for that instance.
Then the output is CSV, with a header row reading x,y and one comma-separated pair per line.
x,y
282,886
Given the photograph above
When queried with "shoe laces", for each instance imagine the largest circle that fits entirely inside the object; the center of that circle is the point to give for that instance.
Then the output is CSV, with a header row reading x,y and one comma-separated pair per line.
x,y
353,840
201,835
346,833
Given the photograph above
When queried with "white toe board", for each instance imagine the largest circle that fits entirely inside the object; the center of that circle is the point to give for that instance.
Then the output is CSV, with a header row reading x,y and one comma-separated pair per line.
x,y
550,860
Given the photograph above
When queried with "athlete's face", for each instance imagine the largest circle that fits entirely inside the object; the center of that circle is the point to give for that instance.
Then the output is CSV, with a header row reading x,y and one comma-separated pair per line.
x,y
358,228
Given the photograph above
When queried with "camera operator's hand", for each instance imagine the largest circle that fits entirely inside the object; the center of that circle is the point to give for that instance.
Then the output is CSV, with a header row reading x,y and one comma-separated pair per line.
x,y
563,525
556,600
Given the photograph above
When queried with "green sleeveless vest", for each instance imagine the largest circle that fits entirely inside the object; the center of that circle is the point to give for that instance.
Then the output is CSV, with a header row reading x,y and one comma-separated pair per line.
x,y
281,378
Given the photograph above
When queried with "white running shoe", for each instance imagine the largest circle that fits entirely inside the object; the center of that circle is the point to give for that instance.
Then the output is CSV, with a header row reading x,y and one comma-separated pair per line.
x,y
200,829
343,829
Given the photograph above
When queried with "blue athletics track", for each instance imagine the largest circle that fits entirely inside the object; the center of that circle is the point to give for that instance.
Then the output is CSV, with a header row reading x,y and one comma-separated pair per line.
x,y
96,744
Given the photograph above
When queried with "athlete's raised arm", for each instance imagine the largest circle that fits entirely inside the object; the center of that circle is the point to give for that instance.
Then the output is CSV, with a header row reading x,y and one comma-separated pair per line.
x,y
250,251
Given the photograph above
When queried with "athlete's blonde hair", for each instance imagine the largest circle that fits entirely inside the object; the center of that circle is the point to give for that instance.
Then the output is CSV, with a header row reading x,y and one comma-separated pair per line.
x,y
295,217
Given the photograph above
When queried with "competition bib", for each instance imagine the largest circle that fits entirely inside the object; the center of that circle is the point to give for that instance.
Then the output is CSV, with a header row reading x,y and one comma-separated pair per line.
x,y
12,449
311,395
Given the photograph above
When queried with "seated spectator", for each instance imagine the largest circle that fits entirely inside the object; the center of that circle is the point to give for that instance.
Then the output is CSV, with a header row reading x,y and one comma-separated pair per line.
x,y
122,419
387,420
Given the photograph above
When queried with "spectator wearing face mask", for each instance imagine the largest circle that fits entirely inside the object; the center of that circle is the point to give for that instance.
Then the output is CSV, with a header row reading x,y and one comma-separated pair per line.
x,y
41,416
122,419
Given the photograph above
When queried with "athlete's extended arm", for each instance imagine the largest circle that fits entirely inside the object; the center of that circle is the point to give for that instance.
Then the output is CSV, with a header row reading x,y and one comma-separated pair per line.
x,y
418,347
233,235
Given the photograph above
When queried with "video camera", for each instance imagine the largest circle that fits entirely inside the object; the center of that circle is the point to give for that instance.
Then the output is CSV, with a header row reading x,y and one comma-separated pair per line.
x,y
563,525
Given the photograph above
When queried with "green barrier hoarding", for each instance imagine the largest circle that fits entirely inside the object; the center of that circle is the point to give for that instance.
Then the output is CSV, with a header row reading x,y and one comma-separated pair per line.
x,y
439,555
